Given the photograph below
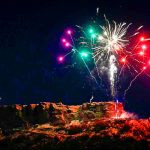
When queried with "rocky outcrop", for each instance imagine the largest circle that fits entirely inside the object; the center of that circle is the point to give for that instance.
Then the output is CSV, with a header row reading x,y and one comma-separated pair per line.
x,y
15,116
107,109
111,134
97,125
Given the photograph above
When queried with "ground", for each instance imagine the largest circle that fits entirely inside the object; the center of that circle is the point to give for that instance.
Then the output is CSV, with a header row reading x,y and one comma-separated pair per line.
x,y
82,127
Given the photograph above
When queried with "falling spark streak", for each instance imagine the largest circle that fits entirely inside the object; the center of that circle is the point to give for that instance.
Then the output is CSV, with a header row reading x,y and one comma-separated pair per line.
x,y
91,98
148,75
97,10
112,73
132,82
139,28
89,70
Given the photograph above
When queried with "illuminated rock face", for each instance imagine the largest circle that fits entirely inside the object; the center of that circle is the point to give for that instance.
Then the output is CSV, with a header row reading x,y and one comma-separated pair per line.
x,y
56,113
107,109
57,126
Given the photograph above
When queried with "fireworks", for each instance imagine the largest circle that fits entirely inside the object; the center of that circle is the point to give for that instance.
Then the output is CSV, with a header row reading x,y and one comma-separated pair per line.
x,y
60,59
113,50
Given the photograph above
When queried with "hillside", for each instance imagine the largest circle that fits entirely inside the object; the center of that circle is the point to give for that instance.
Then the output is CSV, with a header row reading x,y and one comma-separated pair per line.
x,y
57,126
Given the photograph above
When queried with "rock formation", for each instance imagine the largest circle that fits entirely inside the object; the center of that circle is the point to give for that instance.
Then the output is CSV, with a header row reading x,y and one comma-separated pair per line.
x,y
97,125
13,116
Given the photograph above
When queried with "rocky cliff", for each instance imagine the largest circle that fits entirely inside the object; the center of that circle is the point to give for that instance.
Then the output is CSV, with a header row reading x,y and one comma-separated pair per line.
x,y
97,125
14,116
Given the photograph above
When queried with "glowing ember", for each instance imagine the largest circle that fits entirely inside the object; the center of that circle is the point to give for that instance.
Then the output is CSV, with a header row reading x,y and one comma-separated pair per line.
x,y
141,53
69,32
60,58
67,44
63,40
142,39
123,60
144,47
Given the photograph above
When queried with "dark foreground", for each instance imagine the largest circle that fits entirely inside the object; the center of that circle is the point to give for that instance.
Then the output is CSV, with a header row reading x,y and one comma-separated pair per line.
x,y
89,126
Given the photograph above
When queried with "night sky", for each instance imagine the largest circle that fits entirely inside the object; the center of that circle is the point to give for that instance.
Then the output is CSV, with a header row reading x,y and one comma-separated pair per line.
x,y
30,42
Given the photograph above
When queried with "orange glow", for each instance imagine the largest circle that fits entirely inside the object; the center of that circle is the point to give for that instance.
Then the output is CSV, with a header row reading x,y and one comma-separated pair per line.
x,y
123,60
144,47
141,53
142,39
117,47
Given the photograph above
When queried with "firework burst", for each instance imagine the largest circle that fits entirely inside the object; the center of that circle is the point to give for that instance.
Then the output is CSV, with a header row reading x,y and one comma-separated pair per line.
x,y
114,51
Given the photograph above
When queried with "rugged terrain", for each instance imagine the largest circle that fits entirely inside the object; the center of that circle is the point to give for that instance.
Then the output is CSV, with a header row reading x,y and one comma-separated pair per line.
x,y
103,125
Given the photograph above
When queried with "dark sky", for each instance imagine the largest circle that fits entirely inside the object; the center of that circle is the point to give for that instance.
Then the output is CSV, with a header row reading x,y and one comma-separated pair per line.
x,y
30,41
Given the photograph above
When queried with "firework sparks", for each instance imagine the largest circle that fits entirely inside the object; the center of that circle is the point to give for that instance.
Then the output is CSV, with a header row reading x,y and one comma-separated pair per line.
x,y
112,74
113,51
